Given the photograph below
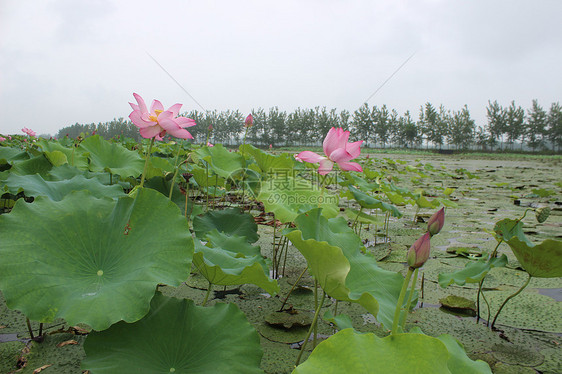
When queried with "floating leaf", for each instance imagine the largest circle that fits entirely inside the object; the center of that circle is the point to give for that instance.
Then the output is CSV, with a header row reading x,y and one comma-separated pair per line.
x,y
229,221
111,157
89,260
473,272
177,337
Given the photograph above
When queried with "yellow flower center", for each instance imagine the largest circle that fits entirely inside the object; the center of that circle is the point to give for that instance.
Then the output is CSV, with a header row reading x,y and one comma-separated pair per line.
x,y
154,118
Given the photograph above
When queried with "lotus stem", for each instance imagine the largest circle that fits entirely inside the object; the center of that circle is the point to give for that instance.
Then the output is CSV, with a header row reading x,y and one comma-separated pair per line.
x,y
315,308
401,301
176,166
410,295
509,298
146,162
29,328
292,288
207,294
314,321
41,329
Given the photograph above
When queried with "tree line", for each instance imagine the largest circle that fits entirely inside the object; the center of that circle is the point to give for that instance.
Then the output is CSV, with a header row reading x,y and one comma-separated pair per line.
x,y
438,127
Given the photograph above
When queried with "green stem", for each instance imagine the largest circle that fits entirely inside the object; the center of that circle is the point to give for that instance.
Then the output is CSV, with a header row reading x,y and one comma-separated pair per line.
x,y
410,295
29,328
509,298
176,166
291,291
401,301
314,337
146,162
314,320
207,294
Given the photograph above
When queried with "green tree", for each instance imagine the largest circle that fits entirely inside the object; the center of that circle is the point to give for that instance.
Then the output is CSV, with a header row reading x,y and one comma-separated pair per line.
x,y
554,121
363,124
536,126
496,122
461,129
514,123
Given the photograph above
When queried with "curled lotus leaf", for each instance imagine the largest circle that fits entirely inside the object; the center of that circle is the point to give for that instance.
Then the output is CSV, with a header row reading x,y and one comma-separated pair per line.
x,y
177,337
89,260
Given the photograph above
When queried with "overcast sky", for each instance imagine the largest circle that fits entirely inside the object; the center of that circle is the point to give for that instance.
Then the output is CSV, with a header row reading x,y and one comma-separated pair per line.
x,y
68,61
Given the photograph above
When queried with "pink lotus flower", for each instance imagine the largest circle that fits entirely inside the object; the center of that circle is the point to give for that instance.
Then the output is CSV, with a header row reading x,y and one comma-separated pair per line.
x,y
338,150
157,122
249,122
419,251
270,146
210,145
2,139
29,132
436,222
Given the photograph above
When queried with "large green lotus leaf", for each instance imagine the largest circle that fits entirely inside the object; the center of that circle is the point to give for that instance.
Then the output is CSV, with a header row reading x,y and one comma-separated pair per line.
x,y
225,265
35,185
36,165
89,260
8,155
351,352
60,155
230,221
369,202
543,260
356,215
177,337
111,157
459,362
286,197
223,162
473,272
333,252
268,163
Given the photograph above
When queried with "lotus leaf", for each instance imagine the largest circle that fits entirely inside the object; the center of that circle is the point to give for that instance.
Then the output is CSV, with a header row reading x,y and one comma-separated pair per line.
x,y
333,252
60,155
232,260
367,201
543,260
351,352
230,221
177,337
35,185
111,157
473,272
89,260
266,162
285,196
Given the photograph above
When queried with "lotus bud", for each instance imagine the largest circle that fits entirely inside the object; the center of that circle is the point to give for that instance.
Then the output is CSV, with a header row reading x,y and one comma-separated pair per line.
x,y
419,251
542,214
210,127
249,122
436,222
